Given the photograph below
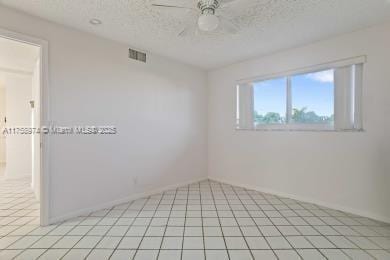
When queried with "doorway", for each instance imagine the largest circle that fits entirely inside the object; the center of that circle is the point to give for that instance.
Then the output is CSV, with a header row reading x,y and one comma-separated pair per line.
x,y
23,77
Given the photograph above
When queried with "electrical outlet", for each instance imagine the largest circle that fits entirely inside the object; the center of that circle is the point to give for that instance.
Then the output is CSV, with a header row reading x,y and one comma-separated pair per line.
x,y
135,180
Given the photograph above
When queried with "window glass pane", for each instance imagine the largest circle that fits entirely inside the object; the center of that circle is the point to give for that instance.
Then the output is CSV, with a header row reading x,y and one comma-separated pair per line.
x,y
313,98
270,101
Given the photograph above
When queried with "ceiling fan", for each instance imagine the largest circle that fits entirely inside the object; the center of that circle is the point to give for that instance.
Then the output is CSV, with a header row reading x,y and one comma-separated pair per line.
x,y
209,15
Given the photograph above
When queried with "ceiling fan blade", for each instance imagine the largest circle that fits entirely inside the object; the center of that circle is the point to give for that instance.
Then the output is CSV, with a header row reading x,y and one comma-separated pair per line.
x,y
189,30
231,2
227,25
228,1
173,6
242,4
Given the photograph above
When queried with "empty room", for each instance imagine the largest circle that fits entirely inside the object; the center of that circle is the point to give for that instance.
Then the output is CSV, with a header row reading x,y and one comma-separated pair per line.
x,y
194,129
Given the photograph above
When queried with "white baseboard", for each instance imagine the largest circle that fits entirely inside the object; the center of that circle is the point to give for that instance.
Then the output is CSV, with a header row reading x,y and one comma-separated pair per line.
x,y
308,200
113,203
17,177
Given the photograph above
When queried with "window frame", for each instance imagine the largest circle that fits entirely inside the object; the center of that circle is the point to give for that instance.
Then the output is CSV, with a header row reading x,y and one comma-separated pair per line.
x,y
291,126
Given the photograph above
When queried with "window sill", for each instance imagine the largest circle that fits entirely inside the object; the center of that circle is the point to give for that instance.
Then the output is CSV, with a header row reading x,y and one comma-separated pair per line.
x,y
298,129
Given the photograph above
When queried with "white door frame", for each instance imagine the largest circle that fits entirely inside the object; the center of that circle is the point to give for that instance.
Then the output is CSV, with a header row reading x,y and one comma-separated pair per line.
x,y
44,118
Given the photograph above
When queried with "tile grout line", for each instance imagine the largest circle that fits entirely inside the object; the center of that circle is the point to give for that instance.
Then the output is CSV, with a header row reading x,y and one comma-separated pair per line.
x,y
219,221
184,225
255,224
124,234
78,224
201,216
139,245
166,225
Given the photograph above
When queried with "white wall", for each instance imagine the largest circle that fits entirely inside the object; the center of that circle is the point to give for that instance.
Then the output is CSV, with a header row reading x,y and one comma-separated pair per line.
x,y
348,171
18,112
159,109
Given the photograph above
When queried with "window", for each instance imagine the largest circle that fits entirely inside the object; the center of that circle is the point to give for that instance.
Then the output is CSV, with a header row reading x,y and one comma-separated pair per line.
x,y
326,98
269,101
312,97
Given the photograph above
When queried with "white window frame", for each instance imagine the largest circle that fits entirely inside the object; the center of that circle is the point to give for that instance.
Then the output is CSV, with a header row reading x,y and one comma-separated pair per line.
x,y
290,126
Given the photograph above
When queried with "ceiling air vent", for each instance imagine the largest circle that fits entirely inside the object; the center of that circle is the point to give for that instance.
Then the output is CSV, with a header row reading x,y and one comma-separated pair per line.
x,y
137,55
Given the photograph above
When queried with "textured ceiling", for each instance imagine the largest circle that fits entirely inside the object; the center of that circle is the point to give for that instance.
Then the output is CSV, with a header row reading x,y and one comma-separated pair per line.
x,y
265,25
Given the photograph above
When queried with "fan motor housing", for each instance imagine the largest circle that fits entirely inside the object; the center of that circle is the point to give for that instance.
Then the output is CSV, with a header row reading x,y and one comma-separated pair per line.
x,y
208,6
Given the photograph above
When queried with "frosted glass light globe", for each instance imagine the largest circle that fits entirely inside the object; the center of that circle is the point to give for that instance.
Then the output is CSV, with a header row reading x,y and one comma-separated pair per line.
x,y
208,22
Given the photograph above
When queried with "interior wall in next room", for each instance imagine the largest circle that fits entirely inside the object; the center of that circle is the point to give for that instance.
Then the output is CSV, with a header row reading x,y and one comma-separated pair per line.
x,y
18,89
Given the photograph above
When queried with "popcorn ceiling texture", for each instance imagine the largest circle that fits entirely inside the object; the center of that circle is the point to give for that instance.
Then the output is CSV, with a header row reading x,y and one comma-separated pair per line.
x,y
266,26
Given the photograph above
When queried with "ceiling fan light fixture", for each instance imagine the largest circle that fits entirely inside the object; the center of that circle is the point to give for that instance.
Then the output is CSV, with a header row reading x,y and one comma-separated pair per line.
x,y
95,21
208,22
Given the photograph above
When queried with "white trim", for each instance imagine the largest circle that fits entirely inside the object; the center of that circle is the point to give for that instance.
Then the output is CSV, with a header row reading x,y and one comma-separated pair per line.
x,y
358,96
307,69
288,101
304,130
296,127
16,71
113,203
44,114
307,200
18,177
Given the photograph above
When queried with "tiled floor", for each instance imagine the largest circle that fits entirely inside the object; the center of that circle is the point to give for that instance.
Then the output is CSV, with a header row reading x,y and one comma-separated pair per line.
x,y
204,220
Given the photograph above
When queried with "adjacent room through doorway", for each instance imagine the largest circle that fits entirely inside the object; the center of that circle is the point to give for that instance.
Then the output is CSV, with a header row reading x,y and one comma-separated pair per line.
x,y
20,74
